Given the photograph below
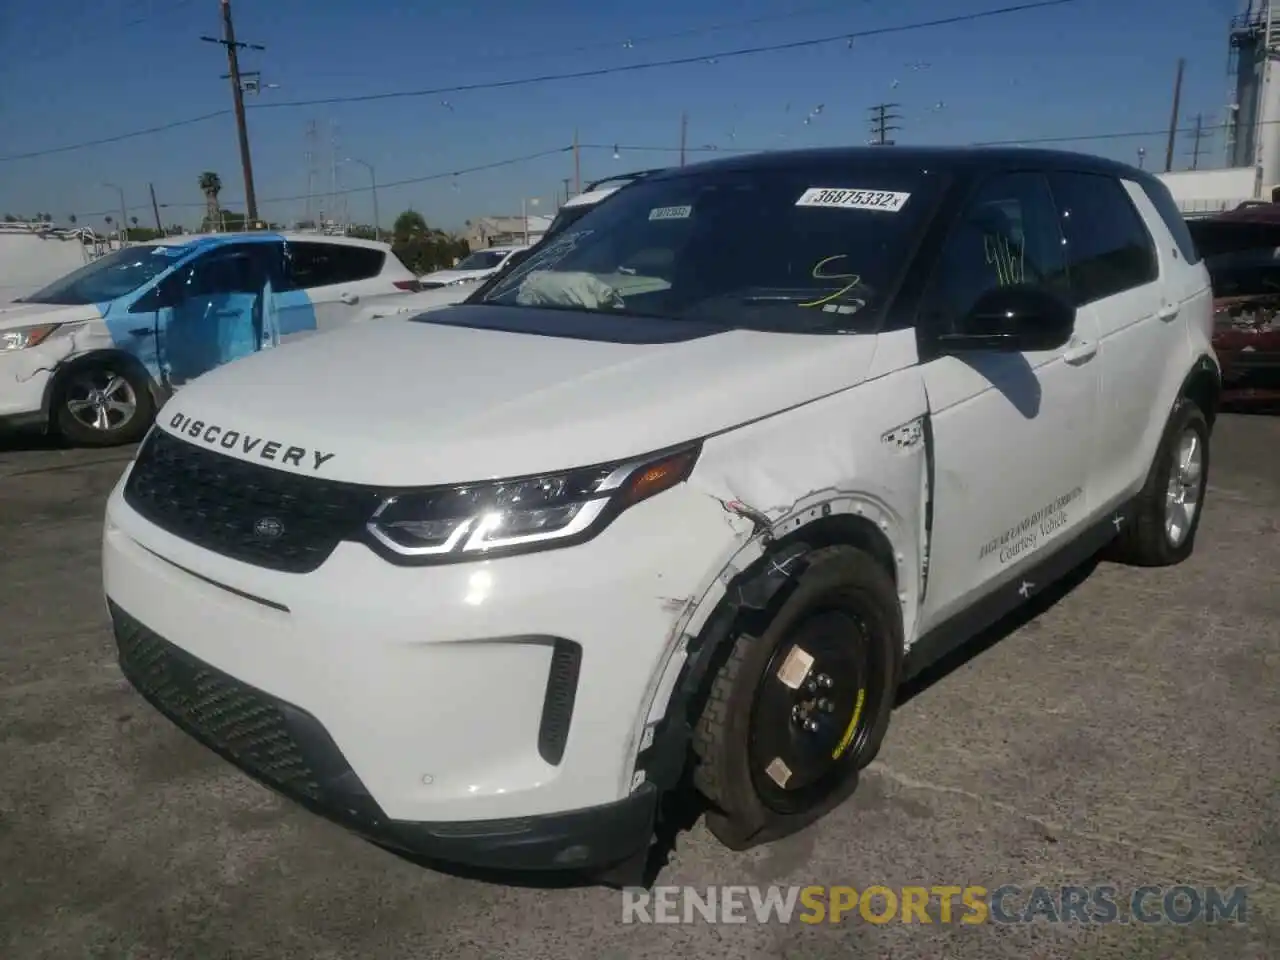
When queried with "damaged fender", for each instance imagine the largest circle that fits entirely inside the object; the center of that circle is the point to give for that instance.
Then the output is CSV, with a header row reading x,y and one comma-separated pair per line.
x,y
852,467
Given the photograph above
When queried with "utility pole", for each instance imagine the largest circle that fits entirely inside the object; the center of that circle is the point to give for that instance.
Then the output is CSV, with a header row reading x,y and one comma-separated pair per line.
x,y
1173,119
880,125
237,93
577,164
155,208
684,134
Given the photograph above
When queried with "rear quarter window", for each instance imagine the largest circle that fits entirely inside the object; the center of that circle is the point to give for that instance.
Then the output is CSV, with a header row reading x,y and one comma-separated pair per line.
x,y
1162,200
1109,249
324,264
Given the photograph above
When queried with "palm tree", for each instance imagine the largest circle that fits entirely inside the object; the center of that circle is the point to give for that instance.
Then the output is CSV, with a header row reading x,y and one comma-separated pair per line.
x,y
71,219
211,186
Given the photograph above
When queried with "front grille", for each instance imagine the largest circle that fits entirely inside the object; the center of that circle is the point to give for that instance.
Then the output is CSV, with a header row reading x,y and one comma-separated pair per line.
x,y
252,513
236,720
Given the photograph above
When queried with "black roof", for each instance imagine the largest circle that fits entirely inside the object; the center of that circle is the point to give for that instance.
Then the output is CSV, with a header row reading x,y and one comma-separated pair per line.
x,y
969,160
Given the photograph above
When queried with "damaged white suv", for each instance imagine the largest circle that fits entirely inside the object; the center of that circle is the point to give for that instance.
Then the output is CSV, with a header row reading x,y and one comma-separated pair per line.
x,y
696,486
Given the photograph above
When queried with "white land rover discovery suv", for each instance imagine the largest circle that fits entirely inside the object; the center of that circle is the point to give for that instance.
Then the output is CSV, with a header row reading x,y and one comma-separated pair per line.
x,y
695,487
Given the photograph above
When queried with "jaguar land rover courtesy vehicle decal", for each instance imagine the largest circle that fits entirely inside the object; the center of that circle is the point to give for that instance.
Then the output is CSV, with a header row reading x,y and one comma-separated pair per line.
x,y
692,492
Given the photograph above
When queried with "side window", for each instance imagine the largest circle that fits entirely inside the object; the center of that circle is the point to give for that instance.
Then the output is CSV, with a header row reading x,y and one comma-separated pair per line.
x,y
315,264
1007,235
1163,201
1108,247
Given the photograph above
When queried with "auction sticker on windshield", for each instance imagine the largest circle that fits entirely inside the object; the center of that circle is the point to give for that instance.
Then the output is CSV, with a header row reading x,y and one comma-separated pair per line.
x,y
670,213
888,201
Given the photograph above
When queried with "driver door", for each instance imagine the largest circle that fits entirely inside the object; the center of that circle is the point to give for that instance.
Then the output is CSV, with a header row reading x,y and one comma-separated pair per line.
x,y
1014,433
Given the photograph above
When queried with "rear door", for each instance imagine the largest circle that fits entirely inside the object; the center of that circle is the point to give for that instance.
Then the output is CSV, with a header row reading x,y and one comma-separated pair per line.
x,y
330,283
1128,286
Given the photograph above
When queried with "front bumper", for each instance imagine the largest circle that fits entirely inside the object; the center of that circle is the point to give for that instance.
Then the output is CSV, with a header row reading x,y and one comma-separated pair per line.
x,y
24,377
288,749
426,697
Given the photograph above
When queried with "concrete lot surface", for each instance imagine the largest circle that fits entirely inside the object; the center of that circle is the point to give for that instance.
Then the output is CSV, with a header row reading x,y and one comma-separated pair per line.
x,y
1126,736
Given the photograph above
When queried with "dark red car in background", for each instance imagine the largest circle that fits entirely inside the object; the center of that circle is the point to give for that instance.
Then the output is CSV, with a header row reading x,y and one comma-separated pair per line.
x,y
1241,249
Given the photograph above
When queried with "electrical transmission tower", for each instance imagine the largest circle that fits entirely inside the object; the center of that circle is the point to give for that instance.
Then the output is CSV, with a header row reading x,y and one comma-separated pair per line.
x,y
881,126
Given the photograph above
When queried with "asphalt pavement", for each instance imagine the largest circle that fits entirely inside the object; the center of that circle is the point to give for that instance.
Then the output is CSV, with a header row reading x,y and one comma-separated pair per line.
x,y
1125,736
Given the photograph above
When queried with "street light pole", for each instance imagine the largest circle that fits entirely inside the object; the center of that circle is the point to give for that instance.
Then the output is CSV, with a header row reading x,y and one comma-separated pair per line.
x,y
124,212
524,213
373,186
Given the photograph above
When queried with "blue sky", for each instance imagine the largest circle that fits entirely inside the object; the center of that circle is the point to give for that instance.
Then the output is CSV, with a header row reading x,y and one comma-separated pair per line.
x,y
72,70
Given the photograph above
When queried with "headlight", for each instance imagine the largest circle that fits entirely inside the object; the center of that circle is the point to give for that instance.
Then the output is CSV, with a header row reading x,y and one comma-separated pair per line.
x,y
19,338
516,516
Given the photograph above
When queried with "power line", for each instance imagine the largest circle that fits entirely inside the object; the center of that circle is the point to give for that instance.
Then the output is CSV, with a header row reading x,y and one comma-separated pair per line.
x,y
655,148
409,181
628,43
844,37
671,62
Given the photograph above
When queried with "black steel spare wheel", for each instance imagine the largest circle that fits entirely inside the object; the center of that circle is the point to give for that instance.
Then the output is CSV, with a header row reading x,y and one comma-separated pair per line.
x,y
798,707
810,710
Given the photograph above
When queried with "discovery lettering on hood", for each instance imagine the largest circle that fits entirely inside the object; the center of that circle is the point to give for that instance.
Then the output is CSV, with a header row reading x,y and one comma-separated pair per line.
x,y
216,435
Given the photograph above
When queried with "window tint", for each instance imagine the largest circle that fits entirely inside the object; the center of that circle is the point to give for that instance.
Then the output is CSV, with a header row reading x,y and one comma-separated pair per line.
x,y
1108,247
1007,235
1163,201
322,264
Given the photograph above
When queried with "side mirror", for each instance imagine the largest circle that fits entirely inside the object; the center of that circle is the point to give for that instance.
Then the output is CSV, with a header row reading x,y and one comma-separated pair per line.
x,y
1017,319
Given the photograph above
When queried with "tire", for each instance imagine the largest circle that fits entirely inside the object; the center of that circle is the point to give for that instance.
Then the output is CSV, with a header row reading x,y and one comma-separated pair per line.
x,y
103,403
1150,540
843,611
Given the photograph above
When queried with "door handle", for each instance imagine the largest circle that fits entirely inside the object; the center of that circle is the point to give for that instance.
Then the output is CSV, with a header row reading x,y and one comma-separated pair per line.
x,y
229,312
141,332
349,298
1080,351
1167,312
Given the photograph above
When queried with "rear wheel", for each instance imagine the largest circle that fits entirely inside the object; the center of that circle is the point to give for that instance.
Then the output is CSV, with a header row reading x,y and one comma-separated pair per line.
x,y
1167,511
103,403
794,713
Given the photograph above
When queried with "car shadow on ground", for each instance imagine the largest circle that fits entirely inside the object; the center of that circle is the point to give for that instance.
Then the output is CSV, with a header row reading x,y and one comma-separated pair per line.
x,y
683,806
31,442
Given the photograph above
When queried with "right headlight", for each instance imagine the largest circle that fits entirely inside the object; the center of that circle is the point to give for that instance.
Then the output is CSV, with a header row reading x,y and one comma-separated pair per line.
x,y
502,517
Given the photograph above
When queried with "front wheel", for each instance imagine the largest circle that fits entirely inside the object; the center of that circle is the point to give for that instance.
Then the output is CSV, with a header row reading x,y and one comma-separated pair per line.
x,y
103,403
796,712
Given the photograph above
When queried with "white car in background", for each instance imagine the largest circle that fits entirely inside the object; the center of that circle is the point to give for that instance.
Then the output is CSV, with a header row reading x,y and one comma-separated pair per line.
x,y
435,297
475,267
94,354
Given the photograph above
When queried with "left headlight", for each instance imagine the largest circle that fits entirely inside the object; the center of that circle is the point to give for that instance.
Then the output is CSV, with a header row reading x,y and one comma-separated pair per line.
x,y
19,338
503,517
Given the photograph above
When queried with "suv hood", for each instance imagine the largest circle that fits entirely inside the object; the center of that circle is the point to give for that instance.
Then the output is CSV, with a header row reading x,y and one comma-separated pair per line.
x,y
418,402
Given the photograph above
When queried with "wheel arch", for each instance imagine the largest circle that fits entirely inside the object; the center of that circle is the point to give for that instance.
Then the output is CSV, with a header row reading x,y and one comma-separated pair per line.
x,y
80,361
1203,386
750,598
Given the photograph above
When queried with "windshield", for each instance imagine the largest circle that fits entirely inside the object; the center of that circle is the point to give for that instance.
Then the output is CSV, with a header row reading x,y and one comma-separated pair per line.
x,y
813,250
109,277
483,260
